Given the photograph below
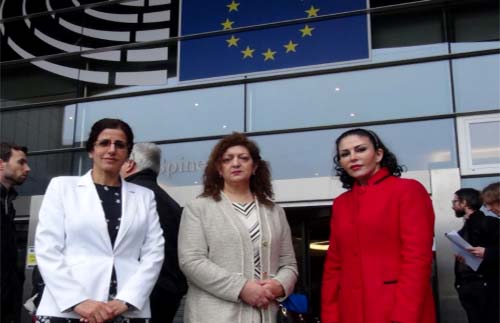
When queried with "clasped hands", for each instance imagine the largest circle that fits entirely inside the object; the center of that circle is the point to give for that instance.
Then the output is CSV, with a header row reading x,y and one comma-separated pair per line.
x,y
99,312
260,293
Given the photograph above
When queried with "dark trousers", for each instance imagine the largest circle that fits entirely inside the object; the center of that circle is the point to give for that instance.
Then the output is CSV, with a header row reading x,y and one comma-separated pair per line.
x,y
493,301
473,296
10,310
164,305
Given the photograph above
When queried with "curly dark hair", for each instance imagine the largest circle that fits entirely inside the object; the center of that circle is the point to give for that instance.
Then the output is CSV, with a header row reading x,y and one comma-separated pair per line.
x,y
260,183
388,161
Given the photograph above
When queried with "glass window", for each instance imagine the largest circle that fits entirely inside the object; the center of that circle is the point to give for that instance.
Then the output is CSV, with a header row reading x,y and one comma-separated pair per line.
x,y
485,142
43,169
419,146
406,28
369,95
479,183
36,82
39,128
186,114
476,83
142,68
183,163
42,35
479,142
476,22
13,8
408,52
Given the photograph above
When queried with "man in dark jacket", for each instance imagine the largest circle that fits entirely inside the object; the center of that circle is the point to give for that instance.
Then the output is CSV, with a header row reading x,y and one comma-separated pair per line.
x,y
482,233
14,170
142,168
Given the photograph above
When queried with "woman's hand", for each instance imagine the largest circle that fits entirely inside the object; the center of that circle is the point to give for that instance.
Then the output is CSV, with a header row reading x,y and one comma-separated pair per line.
x,y
256,295
118,307
94,311
273,286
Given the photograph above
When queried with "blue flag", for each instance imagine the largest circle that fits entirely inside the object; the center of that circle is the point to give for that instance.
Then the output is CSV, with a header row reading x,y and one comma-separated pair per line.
x,y
304,44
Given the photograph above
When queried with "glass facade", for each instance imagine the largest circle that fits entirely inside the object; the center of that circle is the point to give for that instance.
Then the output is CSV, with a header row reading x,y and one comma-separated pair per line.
x,y
66,64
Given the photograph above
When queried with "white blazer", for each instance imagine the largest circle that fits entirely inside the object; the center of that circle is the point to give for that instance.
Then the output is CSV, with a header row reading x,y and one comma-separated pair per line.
x,y
74,251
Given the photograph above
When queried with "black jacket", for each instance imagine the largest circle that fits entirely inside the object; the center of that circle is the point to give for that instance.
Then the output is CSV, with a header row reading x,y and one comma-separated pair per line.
x,y
480,231
171,279
12,276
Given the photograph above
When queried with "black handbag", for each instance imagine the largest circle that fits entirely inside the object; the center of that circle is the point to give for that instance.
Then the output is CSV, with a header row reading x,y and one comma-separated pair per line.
x,y
294,310
286,316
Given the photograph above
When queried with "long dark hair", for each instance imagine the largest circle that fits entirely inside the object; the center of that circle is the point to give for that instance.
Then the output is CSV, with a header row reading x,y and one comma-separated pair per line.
x,y
388,161
260,182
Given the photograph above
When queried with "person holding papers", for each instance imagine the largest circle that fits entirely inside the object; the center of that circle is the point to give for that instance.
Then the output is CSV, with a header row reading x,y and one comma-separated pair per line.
x,y
476,288
378,265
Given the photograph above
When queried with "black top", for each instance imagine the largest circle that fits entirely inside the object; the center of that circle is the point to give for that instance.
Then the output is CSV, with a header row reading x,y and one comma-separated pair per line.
x,y
12,276
112,205
480,231
171,279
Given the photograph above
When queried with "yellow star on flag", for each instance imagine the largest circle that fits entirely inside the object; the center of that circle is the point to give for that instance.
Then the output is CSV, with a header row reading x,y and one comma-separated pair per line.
x,y
312,12
306,31
248,52
228,24
269,54
290,47
233,41
233,6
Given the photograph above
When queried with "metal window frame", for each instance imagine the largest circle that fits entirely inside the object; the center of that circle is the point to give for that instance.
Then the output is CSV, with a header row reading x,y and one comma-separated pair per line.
x,y
467,166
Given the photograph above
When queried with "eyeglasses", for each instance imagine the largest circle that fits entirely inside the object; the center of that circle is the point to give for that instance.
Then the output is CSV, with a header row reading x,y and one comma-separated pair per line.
x,y
105,143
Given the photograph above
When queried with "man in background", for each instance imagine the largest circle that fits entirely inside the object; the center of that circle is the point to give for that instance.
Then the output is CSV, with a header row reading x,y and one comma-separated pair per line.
x,y
14,170
143,168
482,233
491,198
491,201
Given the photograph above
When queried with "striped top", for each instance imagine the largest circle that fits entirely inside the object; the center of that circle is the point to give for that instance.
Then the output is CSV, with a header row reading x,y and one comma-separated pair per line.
x,y
250,217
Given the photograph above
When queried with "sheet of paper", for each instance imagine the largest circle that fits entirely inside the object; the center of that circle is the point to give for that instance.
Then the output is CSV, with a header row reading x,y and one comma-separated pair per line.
x,y
461,246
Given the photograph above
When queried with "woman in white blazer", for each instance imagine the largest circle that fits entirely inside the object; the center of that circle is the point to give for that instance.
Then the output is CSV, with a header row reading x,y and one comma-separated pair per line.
x,y
98,243
235,246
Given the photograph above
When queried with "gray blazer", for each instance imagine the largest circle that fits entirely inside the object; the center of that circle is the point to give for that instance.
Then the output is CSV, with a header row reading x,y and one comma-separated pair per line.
x,y
216,255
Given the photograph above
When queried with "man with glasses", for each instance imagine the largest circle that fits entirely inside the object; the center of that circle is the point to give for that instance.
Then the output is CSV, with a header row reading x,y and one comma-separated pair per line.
x,y
14,170
482,233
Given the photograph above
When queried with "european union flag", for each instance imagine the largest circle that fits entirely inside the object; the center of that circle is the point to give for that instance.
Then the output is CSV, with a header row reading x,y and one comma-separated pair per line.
x,y
328,41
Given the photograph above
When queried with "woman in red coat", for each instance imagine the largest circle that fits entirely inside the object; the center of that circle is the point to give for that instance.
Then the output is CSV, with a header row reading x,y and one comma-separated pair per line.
x,y
378,265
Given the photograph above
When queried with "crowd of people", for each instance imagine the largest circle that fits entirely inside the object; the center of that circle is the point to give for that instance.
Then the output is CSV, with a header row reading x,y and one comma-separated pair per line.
x,y
113,246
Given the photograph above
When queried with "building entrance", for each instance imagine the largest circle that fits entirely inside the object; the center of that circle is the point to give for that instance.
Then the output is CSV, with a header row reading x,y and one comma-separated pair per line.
x,y
310,232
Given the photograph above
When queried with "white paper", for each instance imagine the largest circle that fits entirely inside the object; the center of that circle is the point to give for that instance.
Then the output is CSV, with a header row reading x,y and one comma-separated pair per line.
x,y
461,246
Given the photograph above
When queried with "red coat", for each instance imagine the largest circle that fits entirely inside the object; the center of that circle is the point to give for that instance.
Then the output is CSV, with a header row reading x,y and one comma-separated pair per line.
x,y
378,265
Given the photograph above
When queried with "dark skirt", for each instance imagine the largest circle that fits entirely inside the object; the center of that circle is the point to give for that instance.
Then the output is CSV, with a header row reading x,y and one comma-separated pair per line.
x,y
119,319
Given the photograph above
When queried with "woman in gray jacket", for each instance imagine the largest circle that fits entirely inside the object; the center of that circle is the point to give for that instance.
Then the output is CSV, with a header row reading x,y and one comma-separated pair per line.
x,y
235,246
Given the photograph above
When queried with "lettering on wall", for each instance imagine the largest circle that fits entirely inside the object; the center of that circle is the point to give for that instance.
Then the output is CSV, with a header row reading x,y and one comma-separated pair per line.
x,y
170,168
